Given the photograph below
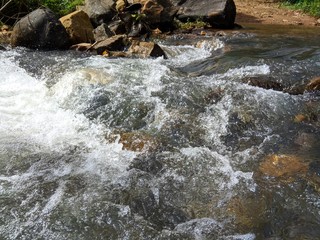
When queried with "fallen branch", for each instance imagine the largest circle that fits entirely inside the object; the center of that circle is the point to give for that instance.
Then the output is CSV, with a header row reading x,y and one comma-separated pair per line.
x,y
3,7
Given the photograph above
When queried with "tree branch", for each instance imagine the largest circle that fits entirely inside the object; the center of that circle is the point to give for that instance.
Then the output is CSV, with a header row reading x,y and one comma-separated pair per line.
x,y
3,7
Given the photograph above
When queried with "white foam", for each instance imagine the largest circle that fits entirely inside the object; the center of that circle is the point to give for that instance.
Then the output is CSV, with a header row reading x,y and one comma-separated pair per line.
x,y
31,116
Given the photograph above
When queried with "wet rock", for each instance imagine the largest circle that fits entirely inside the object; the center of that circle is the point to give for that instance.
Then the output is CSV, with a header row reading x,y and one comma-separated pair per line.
x,y
115,43
138,141
146,49
102,32
214,96
302,229
168,216
285,168
204,228
313,85
41,29
295,90
313,175
94,76
134,190
265,83
218,13
79,27
99,11
115,54
149,163
210,45
2,48
249,212
305,140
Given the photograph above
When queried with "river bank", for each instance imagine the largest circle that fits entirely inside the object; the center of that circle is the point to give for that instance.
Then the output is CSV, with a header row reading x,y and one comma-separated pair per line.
x,y
270,12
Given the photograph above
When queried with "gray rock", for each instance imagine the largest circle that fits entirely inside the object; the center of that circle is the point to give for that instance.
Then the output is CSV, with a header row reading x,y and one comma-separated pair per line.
x,y
218,13
102,32
99,11
40,29
115,43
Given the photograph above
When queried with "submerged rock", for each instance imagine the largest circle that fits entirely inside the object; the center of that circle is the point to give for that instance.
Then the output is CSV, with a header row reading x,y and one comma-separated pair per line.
x,y
262,82
78,26
41,29
313,85
313,175
249,211
203,228
286,168
138,141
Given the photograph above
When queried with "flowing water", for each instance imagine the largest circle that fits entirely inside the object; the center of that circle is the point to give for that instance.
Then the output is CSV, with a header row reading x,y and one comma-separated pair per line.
x,y
97,148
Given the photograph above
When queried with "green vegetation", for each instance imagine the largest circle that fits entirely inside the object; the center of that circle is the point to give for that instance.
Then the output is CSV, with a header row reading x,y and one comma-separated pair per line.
x,y
61,7
198,23
16,8
309,6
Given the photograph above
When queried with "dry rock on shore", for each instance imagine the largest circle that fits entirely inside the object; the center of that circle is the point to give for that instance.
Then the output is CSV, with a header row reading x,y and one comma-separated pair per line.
x,y
41,29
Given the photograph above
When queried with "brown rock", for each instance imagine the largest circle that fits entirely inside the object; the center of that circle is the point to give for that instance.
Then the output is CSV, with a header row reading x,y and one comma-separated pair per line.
x,y
313,176
115,43
78,27
263,82
153,11
146,49
284,167
115,54
138,141
5,37
249,212
313,85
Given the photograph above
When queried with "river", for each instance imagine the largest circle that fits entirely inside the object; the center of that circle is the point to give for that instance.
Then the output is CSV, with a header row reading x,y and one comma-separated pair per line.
x,y
98,148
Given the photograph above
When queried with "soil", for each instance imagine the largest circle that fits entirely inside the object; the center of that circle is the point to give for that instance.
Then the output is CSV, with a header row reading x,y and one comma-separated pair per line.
x,y
270,12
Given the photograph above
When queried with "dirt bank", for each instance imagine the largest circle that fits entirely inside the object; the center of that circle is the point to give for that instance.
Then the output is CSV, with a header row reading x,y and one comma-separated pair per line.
x,y
270,12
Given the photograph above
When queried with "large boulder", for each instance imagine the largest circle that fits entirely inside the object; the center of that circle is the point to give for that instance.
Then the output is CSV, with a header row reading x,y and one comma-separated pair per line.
x,y
40,29
218,13
158,13
78,26
100,11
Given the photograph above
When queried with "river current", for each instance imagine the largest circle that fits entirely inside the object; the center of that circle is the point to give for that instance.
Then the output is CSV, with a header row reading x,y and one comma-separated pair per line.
x,y
98,148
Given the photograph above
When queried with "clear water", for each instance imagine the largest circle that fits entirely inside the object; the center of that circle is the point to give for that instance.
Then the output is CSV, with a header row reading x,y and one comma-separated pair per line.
x,y
65,172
